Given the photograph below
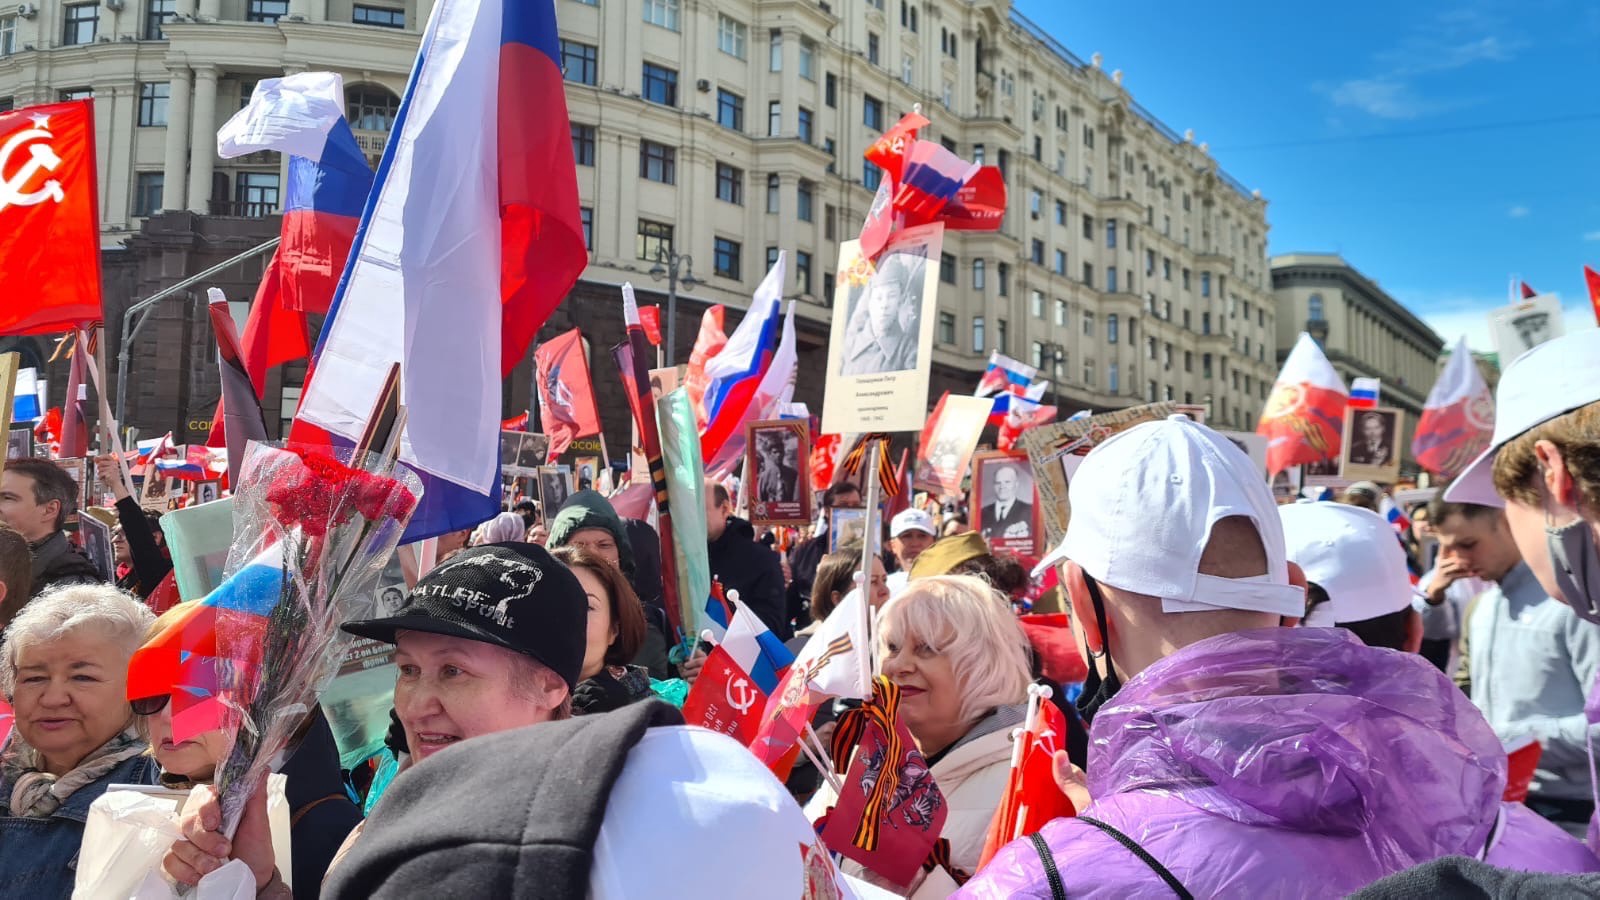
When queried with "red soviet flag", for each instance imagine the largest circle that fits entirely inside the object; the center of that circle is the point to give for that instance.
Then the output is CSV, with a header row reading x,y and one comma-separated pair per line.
x,y
566,393
49,226
725,699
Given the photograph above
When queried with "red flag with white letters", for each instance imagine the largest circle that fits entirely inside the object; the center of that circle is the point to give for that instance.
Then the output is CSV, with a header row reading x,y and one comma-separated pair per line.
x,y
49,220
725,699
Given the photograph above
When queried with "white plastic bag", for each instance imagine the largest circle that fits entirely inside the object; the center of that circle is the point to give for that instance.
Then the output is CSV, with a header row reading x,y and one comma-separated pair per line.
x,y
128,831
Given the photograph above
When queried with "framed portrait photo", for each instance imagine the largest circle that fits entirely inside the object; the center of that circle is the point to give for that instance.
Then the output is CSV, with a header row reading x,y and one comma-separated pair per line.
x,y
555,486
846,527
586,471
1371,447
1006,503
19,443
96,535
776,451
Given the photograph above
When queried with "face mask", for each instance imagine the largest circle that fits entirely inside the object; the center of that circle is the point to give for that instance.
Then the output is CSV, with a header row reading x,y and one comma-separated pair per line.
x,y
1097,691
1577,567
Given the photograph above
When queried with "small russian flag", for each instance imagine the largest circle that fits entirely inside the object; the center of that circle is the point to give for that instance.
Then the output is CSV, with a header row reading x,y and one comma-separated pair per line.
x,y
1364,393
1005,376
182,469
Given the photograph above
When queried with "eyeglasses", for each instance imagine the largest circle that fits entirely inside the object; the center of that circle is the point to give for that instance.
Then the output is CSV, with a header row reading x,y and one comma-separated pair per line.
x,y
149,706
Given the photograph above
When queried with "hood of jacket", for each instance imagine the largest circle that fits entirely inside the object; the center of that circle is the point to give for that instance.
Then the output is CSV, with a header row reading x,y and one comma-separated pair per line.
x,y
1307,730
589,509
56,560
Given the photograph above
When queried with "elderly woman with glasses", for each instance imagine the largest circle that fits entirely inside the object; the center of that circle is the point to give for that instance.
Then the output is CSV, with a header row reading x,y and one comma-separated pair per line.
x,y
64,668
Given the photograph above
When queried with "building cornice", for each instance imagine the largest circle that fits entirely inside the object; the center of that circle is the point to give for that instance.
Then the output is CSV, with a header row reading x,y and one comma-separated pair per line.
x,y
1312,270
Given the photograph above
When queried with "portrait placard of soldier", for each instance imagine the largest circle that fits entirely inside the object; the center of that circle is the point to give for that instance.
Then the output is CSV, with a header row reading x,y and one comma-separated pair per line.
x,y
1006,503
777,450
1371,445
1518,328
881,346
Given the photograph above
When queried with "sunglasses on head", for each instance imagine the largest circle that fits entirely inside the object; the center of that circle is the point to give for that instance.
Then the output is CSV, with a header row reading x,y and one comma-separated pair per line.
x,y
149,706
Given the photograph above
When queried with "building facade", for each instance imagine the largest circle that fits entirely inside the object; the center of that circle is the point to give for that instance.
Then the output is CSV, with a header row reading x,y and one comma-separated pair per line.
x,y
1364,331
1129,267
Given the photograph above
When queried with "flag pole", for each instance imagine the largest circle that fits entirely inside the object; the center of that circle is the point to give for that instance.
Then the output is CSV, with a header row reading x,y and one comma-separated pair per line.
x,y
869,550
105,410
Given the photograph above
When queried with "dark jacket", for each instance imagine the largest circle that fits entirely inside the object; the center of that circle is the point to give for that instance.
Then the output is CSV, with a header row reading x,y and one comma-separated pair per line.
x,y
803,562
614,688
743,565
56,561
39,857
150,563
321,813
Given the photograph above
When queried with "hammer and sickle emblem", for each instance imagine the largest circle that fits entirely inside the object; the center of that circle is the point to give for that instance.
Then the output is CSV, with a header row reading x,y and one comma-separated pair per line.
x,y
13,190
741,696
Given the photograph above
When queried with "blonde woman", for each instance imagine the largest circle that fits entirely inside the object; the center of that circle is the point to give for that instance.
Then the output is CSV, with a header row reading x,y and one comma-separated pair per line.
x,y
960,659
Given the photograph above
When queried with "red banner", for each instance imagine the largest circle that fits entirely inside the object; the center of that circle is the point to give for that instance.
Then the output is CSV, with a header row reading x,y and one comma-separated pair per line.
x,y
49,219
650,318
566,393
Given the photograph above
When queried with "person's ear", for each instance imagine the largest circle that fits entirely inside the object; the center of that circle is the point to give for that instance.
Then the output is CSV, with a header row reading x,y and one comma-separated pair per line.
x,y
1553,471
1074,582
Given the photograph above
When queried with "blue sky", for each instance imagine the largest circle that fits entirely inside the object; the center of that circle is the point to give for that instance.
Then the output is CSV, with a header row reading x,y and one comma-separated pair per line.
x,y
1441,148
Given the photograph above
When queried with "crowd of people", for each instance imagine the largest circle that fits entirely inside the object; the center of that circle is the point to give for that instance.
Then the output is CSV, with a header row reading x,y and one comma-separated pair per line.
x,y
1276,700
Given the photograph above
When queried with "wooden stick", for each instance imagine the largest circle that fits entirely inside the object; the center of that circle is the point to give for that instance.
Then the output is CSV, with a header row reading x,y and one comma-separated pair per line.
x,y
825,769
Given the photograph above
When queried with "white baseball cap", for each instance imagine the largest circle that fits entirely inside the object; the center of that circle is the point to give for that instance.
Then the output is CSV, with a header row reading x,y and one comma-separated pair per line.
x,y
1550,380
1354,554
911,520
1143,504
688,797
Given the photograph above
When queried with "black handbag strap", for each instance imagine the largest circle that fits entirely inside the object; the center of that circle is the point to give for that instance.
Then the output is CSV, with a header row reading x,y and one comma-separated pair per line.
x,y
1057,890
1134,848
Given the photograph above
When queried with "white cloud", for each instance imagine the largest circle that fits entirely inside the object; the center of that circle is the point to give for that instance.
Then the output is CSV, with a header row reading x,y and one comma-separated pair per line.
x,y
1382,97
1518,212
1591,235
1470,317
1434,46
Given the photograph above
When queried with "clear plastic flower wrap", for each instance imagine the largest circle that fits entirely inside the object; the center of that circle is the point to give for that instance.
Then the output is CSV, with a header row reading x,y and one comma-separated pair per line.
x,y
313,530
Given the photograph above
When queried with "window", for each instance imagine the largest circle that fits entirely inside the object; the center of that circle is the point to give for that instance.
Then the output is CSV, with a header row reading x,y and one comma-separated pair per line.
x,y
977,276
829,214
146,193
1150,348
872,48
1205,365
1205,284
1111,327
257,194
1186,279
830,90
1088,228
1061,312
1150,392
1088,324
269,11
977,334
1166,310
947,328
1088,274
583,144
1003,163
1111,279
580,62
1111,234
658,162
381,16
802,271
1061,212
1038,355
774,118
68,95
1088,137
977,154
1188,361
1003,279
1061,262
1035,202
586,216
79,22
725,258
908,21
153,104
8,103
660,84
1261,317
827,288
772,257
808,59
806,134
1166,392
872,112
947,268
1113,382
368,108
730,110
1038,148
730,184
156,14
871,175
830,148
1205,323
1186,321
1036,252
1002,340
775,50
804,198
1036,304
662,12
1166,268
1314,308
772,194
1149,262
733,37
654,241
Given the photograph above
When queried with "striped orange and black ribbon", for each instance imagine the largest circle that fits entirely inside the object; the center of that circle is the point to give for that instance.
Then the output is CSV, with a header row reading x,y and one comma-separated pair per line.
x,y
939,858
857,456
852,726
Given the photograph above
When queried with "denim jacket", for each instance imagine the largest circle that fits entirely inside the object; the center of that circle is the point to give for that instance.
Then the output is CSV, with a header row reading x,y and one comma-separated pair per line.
x,y
39,857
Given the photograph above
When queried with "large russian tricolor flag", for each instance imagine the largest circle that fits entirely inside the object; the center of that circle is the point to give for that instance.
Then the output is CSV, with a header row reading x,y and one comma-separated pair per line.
x,y
1303,421
1458,419
302,116
470,239
734,374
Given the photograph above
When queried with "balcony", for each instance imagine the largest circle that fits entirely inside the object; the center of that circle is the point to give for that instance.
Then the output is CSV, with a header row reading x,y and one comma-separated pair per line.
x,y
242,209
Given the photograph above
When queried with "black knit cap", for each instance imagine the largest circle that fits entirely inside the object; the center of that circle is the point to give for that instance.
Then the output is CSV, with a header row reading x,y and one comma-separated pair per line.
x,y
512,595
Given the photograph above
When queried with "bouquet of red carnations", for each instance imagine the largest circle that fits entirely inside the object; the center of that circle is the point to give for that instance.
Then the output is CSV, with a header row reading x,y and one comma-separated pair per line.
x,y
313,530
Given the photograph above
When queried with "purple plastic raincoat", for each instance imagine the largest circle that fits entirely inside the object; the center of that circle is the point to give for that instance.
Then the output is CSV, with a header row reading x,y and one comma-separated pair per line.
x,y
1287,762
